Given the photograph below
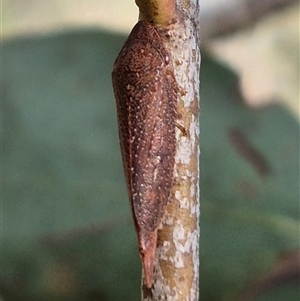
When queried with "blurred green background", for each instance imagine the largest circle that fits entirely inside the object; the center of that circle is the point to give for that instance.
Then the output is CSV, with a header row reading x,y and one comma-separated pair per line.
x,y
67,232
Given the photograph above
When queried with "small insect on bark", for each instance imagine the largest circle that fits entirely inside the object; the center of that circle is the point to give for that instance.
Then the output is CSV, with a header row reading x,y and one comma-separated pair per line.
x,y
146,96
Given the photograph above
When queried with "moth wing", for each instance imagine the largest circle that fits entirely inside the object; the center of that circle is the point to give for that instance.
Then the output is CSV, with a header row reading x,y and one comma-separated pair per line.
x,y
146,94
151,172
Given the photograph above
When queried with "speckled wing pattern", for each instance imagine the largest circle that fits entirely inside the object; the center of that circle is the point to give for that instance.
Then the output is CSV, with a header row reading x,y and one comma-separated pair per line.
x,y
146,95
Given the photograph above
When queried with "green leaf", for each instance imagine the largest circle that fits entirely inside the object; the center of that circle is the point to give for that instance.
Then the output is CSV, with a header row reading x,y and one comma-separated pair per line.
x,y
67,230
249,181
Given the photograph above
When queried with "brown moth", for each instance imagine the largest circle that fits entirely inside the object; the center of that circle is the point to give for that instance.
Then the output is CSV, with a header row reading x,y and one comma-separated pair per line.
x,y
146,96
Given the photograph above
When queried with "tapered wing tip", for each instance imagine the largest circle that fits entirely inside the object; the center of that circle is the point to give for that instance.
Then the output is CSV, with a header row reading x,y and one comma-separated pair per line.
x,y
147,241
148,263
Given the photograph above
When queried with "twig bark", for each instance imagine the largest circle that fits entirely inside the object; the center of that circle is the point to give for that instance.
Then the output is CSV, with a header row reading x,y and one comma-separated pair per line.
x,y
176,271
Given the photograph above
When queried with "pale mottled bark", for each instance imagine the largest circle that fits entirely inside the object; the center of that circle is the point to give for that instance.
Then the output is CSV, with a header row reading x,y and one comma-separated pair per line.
x,y
176,272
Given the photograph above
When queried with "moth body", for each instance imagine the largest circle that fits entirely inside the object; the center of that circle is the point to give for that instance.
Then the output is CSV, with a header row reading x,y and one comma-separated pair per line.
x,y
146,96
